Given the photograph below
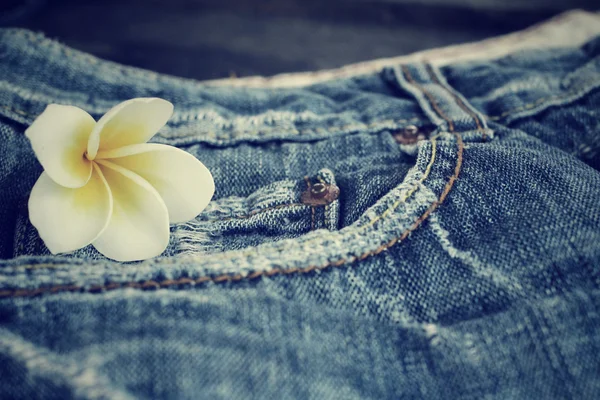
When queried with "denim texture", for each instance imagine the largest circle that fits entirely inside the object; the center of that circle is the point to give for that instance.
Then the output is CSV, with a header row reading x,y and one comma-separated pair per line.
x,y
466,265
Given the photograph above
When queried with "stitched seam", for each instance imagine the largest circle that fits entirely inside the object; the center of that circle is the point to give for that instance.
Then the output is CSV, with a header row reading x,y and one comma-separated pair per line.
x,y
458,101
334,129
431,99
412,190
537,103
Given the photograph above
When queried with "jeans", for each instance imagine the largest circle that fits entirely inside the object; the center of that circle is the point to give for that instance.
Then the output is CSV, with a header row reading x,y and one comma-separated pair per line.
x,y
423,230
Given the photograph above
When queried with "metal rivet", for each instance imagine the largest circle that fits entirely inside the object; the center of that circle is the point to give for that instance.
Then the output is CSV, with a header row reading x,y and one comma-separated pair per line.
x,y
320,194
318,190
411,130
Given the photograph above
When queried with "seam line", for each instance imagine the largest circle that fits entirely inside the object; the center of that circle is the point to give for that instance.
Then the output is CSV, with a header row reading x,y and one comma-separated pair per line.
x,y
382,124
458,101
431,99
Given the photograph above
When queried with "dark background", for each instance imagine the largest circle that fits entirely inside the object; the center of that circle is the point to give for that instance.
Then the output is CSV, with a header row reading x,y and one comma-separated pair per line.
x,y
207,39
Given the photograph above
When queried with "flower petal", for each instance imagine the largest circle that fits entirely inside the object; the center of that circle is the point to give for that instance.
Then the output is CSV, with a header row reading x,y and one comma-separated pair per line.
x,y
69,219
131,122
183,182
59,138
139,225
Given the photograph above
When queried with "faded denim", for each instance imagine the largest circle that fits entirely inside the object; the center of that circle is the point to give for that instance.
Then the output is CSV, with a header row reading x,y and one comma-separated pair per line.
x,y
466,265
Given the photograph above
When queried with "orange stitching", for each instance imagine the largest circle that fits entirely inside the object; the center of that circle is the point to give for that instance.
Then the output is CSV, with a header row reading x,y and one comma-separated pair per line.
x,y
254,275
431,99
458,100
456,169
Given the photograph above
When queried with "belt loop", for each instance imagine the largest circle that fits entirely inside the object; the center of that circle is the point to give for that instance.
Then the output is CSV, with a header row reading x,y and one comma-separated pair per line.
x,y
446,108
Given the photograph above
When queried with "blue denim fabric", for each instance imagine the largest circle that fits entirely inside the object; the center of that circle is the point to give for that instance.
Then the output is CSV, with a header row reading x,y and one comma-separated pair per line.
x,y
466,265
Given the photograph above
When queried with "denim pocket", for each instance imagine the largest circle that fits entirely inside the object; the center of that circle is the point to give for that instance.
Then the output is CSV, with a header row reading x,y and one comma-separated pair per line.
x,y
281,210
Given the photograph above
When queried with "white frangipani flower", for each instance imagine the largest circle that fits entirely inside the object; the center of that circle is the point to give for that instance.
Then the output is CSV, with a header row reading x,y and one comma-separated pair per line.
x,y
103,184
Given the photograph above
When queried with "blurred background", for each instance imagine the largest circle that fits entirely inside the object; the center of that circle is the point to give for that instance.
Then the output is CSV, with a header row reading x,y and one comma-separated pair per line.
x,y
208,39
